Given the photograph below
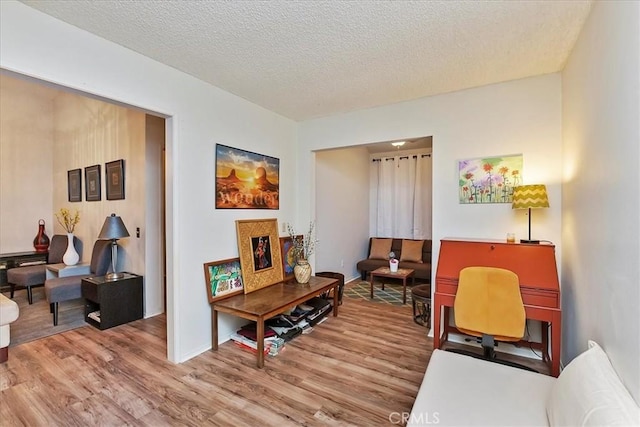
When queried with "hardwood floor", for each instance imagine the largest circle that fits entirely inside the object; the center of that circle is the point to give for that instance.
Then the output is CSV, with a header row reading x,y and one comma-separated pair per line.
x,y
355,369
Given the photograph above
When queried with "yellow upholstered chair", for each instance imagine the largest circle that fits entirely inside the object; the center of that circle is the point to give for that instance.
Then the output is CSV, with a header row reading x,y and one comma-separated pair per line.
x,y
488,304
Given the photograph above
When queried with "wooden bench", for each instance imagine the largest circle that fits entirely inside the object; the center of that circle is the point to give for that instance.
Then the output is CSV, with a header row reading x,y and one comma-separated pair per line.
x,y
268,302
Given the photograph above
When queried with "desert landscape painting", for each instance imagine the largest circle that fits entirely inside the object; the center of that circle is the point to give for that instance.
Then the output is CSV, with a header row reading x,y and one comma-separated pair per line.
x,y
246,180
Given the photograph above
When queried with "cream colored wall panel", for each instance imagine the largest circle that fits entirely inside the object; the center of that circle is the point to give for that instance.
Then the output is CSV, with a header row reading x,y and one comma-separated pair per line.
x,y
26,153
90,132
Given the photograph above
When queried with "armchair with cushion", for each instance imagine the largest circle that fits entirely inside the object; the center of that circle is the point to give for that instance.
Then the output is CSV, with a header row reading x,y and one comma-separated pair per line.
x,y
70,287
34,275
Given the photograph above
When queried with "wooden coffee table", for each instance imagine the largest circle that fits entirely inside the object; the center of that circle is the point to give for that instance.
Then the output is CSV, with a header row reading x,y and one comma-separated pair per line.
x,y
402,273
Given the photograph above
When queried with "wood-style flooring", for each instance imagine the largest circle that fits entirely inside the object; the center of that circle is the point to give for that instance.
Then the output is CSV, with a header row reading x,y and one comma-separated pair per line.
x,y
355,369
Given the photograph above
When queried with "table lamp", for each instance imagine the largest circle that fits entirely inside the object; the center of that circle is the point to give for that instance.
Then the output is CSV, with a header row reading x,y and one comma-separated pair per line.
x,y
527,197
113,229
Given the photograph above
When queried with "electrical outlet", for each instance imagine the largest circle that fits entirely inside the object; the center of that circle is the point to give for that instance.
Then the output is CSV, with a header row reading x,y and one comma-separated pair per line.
x,y
284,226
341,263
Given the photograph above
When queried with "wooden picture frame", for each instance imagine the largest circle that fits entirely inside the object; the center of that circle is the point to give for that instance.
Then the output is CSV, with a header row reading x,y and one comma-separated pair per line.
x,y
223,279
74,185
246,180
114,176
288,258
93,189
260,256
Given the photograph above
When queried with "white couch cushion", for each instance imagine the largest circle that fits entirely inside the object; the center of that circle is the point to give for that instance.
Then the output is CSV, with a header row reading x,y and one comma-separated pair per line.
x,y
589,393
460,390
9,312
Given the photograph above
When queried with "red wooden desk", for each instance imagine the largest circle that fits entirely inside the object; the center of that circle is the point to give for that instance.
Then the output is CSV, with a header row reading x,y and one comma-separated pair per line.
x,y
536,268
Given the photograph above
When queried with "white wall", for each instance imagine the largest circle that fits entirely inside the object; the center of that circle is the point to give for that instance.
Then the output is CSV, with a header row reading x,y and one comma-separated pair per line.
x,y
26,163
601,190
40,46
521,116
342,201
153,234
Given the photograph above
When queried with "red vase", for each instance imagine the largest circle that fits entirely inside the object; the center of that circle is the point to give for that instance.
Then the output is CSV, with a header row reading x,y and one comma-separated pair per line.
x,y
41,242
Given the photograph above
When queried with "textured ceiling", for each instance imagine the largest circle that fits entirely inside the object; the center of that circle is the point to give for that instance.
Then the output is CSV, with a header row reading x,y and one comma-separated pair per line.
x,y
306,59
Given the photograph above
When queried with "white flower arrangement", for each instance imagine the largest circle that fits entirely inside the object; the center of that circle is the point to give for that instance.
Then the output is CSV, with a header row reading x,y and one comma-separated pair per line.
x,y
392,257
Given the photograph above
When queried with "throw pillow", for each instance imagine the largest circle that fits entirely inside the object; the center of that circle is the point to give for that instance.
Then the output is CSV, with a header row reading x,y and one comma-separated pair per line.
x,y
588,392
380,248
411,250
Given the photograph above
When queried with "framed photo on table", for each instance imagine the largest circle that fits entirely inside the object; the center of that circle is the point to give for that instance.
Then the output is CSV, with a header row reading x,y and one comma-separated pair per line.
x,y
288,256
92,183
223,279
74,185
260,256
114,174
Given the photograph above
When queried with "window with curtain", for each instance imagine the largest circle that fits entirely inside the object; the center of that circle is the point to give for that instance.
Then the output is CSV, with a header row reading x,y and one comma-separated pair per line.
x,y
401,196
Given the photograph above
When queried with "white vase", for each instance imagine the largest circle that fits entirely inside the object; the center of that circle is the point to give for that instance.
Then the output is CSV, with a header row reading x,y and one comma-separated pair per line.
x,y
71,256
393,266
302,271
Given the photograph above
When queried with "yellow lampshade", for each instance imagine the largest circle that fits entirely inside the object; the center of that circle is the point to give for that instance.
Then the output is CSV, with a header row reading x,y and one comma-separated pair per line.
x,y
527,197
530,196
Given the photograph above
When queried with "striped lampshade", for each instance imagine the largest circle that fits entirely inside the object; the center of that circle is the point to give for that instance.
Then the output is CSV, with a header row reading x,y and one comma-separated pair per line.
x,y
530,196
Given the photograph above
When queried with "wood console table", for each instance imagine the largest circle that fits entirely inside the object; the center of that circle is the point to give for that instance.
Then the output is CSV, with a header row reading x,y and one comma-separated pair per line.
x,y
536,268
268,302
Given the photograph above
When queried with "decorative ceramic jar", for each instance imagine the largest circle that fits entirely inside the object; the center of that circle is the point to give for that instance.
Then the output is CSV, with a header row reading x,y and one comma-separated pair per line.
x,y
41,242
393,265
302,271
71,256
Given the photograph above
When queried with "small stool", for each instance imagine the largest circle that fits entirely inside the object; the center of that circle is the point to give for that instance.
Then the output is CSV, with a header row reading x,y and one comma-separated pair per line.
x,y
421,297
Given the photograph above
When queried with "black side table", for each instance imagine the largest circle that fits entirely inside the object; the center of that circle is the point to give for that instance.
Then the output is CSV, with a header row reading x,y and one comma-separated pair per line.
x,y
111,303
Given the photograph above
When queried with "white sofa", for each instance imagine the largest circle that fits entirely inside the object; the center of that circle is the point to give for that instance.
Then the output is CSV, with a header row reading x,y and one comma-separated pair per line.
x,y
460,390
9,312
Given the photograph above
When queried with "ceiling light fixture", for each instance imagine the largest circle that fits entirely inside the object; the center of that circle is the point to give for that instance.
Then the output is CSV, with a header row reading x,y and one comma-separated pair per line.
x,y
398,144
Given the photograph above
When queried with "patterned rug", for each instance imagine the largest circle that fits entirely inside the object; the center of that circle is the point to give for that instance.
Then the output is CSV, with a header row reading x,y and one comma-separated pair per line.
x,y
392,293
35,321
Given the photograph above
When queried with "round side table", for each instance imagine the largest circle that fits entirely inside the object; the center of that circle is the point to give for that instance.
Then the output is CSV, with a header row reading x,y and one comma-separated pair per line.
x,y
421,297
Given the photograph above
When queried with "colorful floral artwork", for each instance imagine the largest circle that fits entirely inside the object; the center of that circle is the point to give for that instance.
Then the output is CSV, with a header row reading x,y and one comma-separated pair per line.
x,y
489,180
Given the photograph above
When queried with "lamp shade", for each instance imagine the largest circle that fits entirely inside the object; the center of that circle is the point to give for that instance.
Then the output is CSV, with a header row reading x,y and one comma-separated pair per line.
x,y
113,228
530,196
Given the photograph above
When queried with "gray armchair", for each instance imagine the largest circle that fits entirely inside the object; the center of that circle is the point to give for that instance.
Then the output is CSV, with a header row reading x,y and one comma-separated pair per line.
x,y
70,287
34,275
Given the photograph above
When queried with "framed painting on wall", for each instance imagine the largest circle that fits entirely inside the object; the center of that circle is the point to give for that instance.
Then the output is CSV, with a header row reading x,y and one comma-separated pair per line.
x,y
74,185
260,256
223,278
489,179
246,180
92,183
114,174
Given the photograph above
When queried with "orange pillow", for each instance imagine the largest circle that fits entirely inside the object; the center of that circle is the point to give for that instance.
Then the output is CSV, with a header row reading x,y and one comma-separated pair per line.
x,y
380,248
411,251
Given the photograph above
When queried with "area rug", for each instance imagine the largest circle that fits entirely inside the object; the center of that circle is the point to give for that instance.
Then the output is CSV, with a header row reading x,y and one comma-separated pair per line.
x,y
35,321
392,293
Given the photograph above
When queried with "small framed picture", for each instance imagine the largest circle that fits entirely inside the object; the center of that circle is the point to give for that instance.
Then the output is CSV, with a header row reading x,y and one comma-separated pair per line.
x,y
74,185
223,278
288,256
114,174
92,183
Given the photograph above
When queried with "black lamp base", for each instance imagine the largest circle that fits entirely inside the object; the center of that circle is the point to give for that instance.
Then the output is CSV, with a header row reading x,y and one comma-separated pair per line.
x,y
535,242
